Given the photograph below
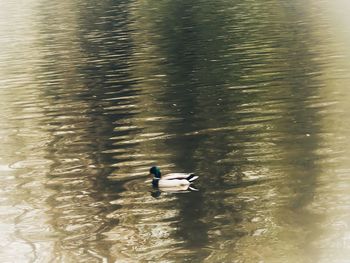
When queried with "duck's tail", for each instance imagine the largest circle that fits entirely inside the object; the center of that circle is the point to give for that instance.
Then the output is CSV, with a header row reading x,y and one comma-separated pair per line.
x,y
193,189
192,177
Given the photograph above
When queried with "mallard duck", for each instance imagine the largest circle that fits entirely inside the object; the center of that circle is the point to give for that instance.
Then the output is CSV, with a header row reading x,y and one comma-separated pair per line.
x,y
171,180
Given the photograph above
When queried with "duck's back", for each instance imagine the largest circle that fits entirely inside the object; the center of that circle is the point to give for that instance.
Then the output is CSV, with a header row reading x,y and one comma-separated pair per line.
x,y
173,176
173,183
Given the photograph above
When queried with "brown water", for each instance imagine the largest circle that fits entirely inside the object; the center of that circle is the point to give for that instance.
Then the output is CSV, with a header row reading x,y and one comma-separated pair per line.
x,y
253,96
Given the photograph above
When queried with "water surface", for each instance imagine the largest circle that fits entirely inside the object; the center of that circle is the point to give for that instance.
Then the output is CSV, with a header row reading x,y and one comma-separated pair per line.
x,y
251,95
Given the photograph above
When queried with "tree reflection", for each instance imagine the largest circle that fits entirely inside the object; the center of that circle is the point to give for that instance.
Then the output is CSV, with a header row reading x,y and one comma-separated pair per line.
x,y
81,75
233,72
216,87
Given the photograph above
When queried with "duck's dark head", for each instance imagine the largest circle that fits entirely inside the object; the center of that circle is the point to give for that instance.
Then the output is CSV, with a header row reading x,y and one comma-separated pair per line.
x,y
155,171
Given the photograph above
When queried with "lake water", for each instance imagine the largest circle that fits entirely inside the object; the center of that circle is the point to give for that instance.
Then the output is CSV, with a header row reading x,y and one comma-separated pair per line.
x,y
253,96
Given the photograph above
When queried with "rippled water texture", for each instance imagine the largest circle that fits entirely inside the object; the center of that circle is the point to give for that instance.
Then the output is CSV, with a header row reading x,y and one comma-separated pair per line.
x,y
251,95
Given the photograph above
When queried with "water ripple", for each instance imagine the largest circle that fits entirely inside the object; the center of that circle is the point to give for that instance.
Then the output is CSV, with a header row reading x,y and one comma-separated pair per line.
x,y
251,96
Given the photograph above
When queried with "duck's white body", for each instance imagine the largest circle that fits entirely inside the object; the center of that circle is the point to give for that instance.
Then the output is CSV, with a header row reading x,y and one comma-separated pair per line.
x,y
172,180
172,183
175,180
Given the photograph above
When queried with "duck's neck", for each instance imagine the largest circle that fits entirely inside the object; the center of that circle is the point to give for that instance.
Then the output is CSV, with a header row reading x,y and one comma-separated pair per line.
x,y
158,175
155,182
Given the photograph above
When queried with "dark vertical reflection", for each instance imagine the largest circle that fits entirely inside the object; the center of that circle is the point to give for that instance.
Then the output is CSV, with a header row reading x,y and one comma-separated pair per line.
x,y
86,82
261,68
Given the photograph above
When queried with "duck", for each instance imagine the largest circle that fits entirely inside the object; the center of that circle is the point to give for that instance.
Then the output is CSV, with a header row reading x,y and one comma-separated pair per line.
x,y
172,180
